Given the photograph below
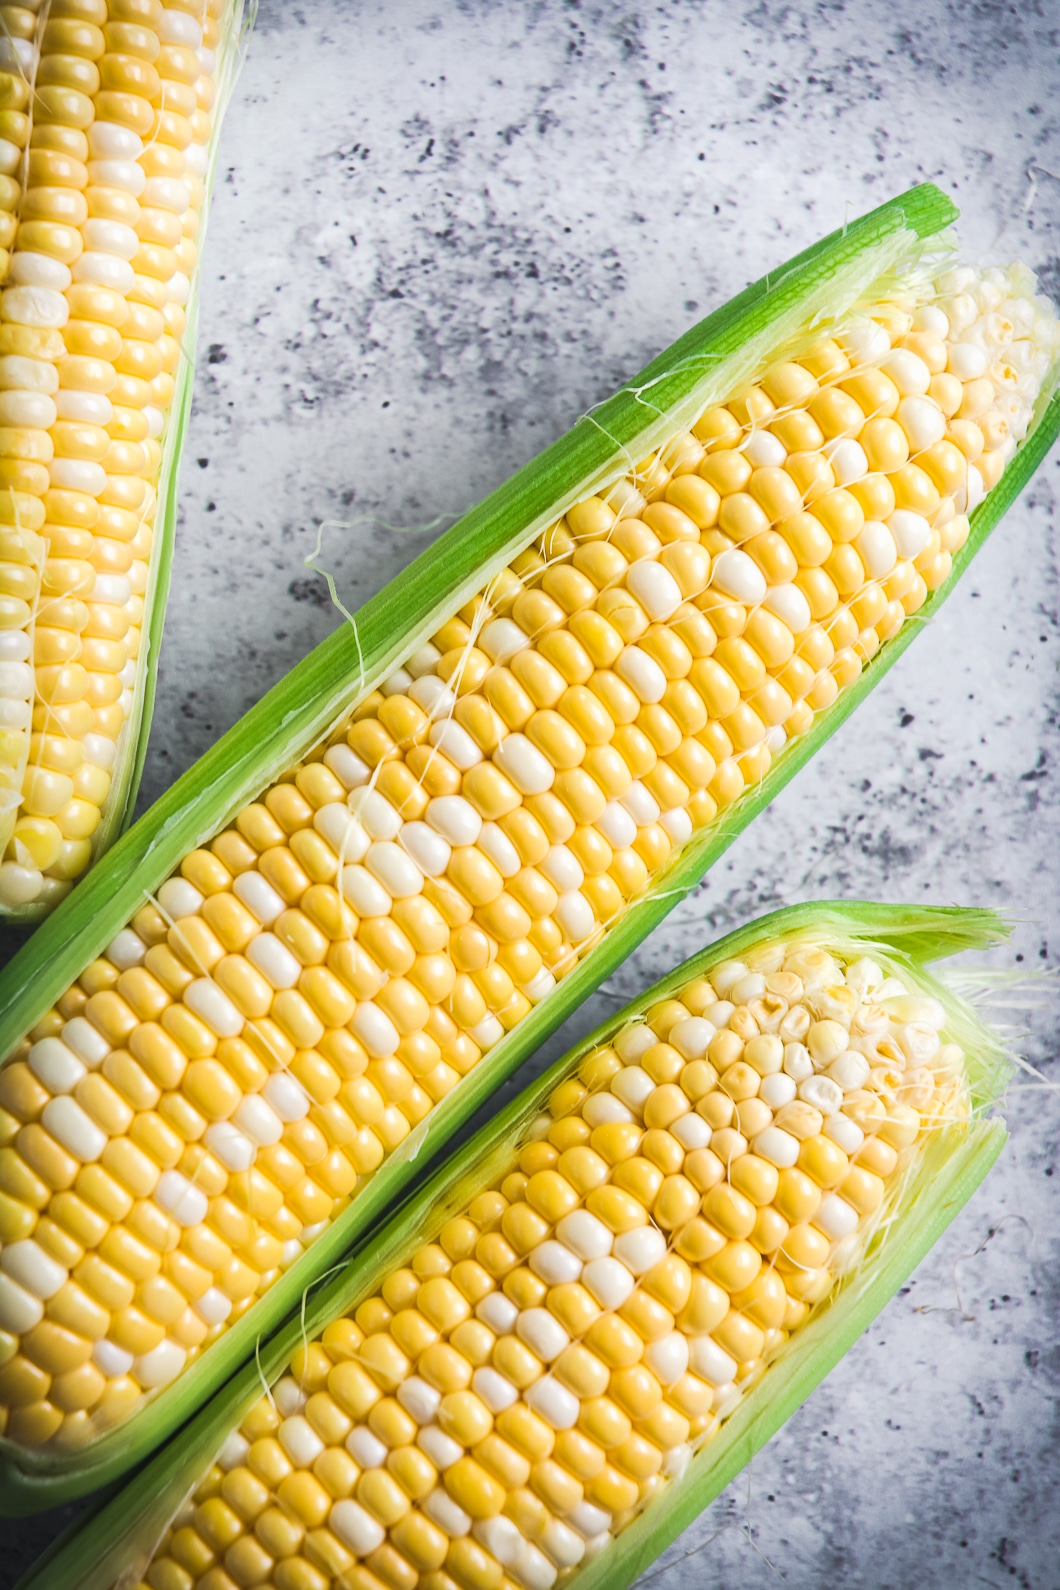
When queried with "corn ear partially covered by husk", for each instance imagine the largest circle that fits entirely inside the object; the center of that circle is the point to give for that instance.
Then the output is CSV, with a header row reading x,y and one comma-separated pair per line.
x,y
110,119
439,837
582,1327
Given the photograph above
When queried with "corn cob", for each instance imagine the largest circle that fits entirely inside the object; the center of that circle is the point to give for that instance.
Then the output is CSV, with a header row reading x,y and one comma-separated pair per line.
x,y
103,246
506,1402
602,1290
213,1090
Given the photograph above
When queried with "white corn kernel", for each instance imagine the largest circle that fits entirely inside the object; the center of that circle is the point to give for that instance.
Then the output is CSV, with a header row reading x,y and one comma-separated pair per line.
x,y
259,897
347,766
641,1249
454,818
256,1117
617,826
364,893
126,950
777,1090
633,1086
161,1365
845,1133
213,1006
213,1306
455,743
287,1096
850,1070
366,1448
501,639
498,1312
233,1454
835,1217
553,1402
642,674
601,1107
780,1148
824,1094
19,1309
427,848
691,1037
520,760
176,1195
76,1131
667,1358
375,1030
346,836
609,1282
111,1360
34,1270
632,1043
355,1527
379,819
87,1043
57,1066
692,1131
554,1262
710,1362
737,575
394,869
493,1389
442,1450
655,589
542,1333
443,1511
274,961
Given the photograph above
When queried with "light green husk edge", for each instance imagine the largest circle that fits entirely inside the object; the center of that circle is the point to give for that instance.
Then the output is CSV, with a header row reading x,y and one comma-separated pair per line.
x,y
299,711
132,746
121,1536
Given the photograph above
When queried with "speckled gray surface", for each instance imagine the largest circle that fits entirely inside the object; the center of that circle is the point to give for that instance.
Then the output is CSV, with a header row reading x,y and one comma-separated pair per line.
x,y
442,232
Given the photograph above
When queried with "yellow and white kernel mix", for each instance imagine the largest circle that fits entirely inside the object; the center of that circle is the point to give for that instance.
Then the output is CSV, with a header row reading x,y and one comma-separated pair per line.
x,y
104,134
215,1087
509,1400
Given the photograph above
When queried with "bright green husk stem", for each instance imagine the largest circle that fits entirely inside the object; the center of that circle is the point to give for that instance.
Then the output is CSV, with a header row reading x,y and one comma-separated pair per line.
x,y
132,747
294,716
121,1536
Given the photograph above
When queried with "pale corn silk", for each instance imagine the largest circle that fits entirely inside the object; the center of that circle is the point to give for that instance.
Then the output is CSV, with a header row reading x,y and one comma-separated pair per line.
x,y
103,150
525,1384
215,1088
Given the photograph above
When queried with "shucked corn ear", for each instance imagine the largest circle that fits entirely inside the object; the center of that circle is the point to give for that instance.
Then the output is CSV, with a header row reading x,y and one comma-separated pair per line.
x,y
532,1377
218,1085
109,112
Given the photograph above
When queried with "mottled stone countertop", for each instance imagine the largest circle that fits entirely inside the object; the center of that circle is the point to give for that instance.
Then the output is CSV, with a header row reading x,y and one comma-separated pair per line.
x,y
442,232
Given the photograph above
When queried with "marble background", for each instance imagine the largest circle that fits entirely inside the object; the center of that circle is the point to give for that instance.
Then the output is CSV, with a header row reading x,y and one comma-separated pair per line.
x,y
440,232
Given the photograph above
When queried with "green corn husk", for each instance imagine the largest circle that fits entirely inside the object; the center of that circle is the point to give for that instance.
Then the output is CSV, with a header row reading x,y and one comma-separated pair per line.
x,y
298,712
119,1538
132,747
